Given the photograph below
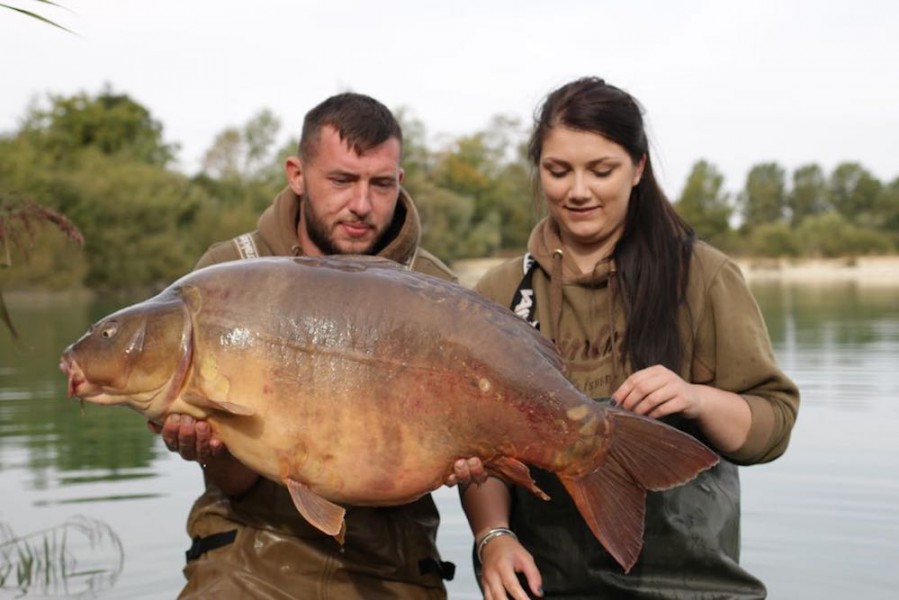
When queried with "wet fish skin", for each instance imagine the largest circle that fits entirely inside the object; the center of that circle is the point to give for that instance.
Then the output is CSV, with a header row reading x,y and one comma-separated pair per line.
x,y
354,381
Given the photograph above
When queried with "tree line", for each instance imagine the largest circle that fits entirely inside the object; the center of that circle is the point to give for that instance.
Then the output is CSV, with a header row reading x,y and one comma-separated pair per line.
x,y
101,160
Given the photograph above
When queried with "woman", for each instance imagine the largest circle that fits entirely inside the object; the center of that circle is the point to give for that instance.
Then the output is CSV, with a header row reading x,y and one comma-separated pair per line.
x,y
655,322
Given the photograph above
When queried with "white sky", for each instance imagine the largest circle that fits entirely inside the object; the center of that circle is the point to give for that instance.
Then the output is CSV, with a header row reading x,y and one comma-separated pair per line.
x,y
736,83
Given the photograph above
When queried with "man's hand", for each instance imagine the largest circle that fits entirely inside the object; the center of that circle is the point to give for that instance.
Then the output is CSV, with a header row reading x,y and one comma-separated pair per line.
x,y
194,441
190,438
466,471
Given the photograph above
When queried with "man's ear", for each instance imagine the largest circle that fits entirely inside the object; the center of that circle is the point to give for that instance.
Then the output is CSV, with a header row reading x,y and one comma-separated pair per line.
x,y
401,175
294,169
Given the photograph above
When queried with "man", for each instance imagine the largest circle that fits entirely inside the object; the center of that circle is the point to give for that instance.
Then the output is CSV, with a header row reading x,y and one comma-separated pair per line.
x,y
249,541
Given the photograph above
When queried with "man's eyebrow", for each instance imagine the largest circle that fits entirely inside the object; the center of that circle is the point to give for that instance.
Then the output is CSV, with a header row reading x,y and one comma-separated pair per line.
x,y
342,173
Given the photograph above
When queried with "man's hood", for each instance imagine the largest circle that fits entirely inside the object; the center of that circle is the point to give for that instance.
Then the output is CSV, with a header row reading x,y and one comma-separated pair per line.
x,y
278,227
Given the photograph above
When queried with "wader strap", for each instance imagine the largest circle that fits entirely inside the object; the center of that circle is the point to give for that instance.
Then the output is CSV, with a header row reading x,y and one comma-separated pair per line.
x,y
202,545
246,246
445,569
524,304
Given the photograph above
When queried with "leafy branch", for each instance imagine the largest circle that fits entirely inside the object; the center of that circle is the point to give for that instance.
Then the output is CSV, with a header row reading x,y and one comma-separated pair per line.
x,y
34,15
19,222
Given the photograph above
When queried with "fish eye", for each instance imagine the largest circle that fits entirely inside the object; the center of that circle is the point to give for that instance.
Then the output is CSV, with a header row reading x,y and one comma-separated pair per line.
x,y
109,331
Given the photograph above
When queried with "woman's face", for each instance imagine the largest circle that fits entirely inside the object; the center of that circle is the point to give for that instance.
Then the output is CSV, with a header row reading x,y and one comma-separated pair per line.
x,y
587,181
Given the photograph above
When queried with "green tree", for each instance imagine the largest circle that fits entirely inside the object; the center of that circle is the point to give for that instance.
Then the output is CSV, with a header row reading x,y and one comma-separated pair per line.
x,y
244,153
808,196
704,203
889,210
832,235
417,158
445,217
111,123
137,220
854,193
764,195
772,240
490,168
243,169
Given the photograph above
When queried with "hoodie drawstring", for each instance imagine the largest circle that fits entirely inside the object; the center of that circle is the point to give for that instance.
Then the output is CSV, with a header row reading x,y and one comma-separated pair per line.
x,y
613,293
555,293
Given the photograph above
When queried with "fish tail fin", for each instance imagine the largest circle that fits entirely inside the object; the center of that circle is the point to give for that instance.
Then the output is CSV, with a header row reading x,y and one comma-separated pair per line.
x,y
643,454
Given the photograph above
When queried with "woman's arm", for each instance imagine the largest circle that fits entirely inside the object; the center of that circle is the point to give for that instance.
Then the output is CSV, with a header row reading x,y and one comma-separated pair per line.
x,y
724,417
501,555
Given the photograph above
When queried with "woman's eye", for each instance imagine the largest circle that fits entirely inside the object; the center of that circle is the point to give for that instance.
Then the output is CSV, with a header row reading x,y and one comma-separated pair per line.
x,y
605,173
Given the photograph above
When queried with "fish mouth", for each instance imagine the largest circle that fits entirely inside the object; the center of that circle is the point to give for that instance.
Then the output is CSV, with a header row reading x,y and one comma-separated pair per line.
x,y
77,380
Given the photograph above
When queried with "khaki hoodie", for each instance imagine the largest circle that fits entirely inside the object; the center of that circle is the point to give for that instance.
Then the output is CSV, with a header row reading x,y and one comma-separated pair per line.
x,y
692,537
390,553
276,235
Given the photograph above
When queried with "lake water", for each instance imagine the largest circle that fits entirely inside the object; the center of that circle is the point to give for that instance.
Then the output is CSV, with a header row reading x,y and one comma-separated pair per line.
x,y
93,506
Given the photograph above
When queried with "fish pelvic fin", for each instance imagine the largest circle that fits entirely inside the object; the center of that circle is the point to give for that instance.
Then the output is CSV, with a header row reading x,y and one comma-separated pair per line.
x,y
320,512
220,406
643,454
516,472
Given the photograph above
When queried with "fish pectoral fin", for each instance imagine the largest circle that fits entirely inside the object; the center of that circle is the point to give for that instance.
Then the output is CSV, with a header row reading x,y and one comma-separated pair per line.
x,y
320,512
221,406
517,472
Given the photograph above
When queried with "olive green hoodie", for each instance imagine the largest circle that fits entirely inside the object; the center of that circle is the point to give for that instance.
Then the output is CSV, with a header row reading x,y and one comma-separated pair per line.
x,y
275,554
276,235
692,535
728,345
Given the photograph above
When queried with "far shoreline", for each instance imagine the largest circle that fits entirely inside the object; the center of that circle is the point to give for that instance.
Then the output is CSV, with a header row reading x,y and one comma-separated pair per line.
x,y
863,270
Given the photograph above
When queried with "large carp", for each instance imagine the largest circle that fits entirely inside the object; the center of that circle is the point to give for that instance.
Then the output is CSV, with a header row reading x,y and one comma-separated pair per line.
x,y
354,381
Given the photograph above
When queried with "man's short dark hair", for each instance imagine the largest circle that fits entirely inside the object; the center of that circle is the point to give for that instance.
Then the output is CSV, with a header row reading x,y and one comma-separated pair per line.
x,y
361,121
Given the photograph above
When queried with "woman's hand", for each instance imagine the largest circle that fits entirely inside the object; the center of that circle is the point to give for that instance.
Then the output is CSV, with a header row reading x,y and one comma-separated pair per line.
x,y
504,557
467,470
724,417
658,392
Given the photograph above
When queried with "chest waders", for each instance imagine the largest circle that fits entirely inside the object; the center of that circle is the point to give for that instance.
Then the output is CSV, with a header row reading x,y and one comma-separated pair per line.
x,y
691,543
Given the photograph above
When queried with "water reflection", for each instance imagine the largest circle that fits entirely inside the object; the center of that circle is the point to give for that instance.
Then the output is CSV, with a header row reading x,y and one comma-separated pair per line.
x,y
58,460
839,341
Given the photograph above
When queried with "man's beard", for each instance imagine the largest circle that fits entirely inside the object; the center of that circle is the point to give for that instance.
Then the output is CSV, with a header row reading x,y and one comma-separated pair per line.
x,y
318,233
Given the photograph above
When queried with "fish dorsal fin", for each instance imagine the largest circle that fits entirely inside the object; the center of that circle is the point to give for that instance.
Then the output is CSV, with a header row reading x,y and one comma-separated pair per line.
x,y
321,513
215,405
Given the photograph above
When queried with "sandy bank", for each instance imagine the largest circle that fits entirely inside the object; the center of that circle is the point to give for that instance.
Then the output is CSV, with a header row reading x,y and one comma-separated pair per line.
x,y
869,270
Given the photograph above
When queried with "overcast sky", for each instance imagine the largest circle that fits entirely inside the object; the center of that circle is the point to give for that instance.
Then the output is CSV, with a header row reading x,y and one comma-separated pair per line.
x,y
735,83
